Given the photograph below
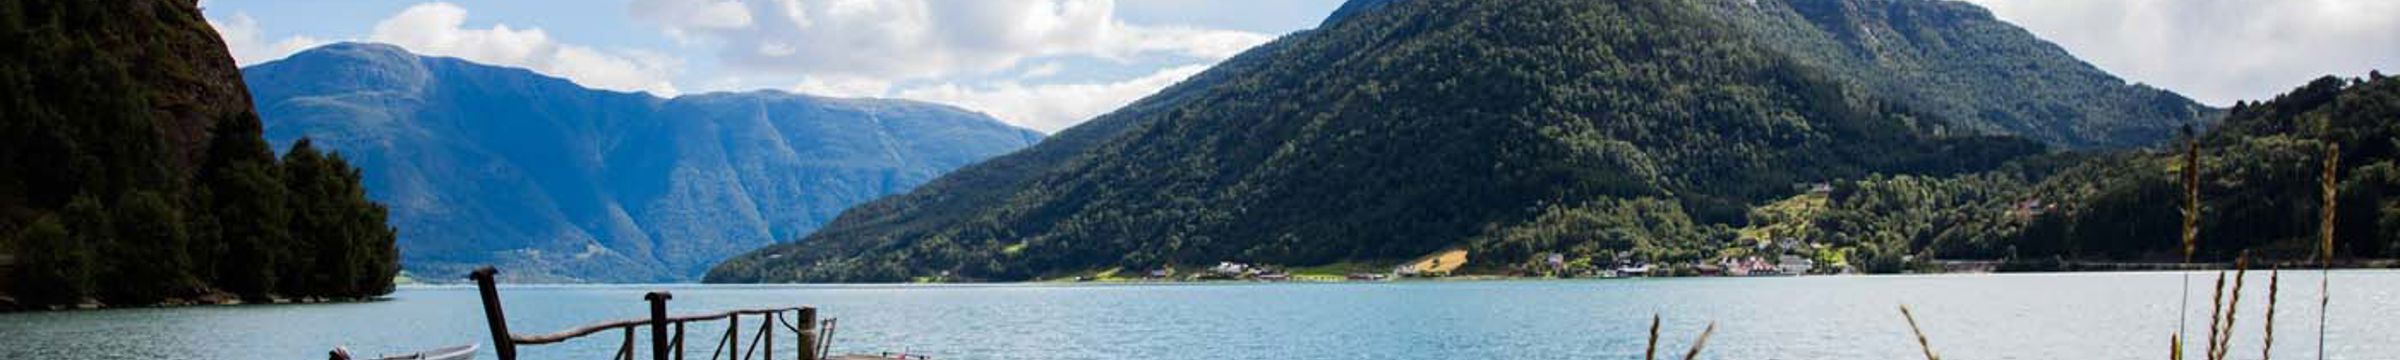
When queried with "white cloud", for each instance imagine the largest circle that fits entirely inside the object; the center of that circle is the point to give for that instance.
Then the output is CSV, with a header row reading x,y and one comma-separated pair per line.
x,y
1051,107
246,40
865,47
843,86
675,15
2218,51
438,29
1044,70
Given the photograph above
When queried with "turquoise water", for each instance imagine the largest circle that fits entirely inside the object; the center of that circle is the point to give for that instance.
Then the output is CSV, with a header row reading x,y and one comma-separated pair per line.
x,y
2032,316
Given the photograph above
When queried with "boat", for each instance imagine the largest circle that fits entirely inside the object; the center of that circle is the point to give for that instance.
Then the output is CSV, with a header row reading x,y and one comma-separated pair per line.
x,y
461,352
1633,270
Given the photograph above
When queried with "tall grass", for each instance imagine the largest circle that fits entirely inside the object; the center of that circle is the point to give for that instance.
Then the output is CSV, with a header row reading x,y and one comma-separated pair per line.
x,y
2221,330
1651,351
2274,290
1694,354
2333,162
2215,307
2225,308
1927,346
2191,232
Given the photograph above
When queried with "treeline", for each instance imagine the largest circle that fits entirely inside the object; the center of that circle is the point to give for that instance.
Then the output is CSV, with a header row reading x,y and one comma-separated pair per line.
x,y
137,174
2261,173
2261,170
295,228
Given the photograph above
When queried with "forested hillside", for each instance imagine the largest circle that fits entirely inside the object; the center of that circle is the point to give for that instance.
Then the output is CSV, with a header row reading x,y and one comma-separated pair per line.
x,y
2261,174
561,183
136,173
1399,130
1955,60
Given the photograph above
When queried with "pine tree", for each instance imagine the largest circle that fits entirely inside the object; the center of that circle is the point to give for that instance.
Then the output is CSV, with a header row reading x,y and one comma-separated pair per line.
x,y
52,267
245,199
145,267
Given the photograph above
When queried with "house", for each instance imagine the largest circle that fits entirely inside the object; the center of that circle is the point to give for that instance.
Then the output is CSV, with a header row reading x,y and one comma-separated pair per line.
x,y
1748,266
1633,270
1794,265
1230,269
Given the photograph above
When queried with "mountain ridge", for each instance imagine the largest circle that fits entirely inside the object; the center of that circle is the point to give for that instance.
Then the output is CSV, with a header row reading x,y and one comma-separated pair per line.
x,y
1400,129
571,184
1958,60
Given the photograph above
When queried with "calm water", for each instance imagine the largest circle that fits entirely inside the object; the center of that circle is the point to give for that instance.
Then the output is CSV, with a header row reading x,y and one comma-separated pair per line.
x,y
2048,316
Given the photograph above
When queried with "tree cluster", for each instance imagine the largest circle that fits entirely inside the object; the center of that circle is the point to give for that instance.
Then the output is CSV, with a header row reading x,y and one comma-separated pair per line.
x,y
137,174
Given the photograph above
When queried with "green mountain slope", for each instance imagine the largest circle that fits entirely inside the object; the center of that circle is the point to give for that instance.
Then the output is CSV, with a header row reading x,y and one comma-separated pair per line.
x,y
136,174
1395,131
1956,60
2261,173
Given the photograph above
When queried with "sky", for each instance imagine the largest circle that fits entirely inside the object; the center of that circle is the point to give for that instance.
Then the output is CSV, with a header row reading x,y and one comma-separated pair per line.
x,y
1049,64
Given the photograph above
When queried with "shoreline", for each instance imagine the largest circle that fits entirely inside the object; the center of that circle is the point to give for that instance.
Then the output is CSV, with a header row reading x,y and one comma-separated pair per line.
x,y
8,304
1459,278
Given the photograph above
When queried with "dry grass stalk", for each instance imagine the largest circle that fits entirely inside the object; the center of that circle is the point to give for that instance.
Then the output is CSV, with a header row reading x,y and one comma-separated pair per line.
x,y
2333,162
2177,352
1912,327
2233,305
1652,352
2215,308
2191,195
1697,344
2191,232
2266,350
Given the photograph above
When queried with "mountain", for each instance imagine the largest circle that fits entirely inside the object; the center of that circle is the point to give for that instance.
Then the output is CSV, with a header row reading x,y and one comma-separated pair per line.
x,y
561,183
1954,59
1402,128
136,173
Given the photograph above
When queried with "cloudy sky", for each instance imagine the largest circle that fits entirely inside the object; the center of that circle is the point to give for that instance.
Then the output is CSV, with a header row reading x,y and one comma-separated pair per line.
x,y
1048,64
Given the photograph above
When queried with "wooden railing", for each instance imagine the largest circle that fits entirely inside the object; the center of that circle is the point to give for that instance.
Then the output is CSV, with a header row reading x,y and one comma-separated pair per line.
x,y
666,333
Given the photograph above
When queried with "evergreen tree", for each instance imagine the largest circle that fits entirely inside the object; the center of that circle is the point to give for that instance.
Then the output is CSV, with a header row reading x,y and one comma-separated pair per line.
x,y
135,169
246,201
146,265
52,268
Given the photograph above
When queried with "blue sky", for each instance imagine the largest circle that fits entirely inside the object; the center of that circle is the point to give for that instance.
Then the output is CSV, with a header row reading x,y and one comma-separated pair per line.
x,y
1048,64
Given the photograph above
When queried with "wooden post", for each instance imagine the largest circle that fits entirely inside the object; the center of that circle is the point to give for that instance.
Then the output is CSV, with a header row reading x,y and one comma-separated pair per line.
x,y
625,350
678,341
807,333
733,336
658,323
501,344
766,336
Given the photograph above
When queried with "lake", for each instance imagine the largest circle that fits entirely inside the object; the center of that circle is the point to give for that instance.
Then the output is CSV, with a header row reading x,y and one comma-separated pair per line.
x,y
1987,316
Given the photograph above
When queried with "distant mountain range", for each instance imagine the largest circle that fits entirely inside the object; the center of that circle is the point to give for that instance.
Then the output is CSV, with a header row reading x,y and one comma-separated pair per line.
x,y
1399,128
561,183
